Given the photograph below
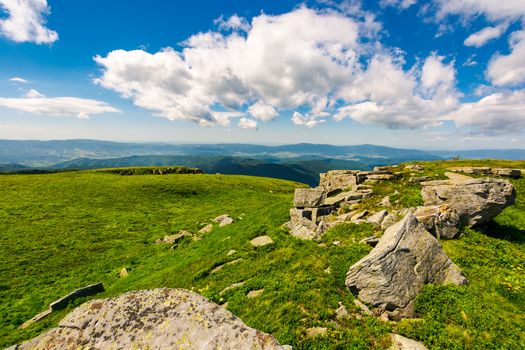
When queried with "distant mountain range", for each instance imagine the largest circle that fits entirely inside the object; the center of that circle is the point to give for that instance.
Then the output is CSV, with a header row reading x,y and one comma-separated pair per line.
x,y
299,162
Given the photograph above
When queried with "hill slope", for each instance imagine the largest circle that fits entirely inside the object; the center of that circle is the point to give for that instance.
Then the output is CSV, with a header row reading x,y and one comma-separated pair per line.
x,y
63,231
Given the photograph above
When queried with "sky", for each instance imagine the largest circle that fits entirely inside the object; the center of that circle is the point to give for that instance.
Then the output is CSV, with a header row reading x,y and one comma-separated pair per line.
x,y
434,74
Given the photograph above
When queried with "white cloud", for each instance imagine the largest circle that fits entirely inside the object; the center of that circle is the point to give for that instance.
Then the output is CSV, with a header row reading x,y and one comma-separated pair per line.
x,y
263,111
486,34
288,61
233,23
509,69
386,95
496,114
245,123
34,102
403,4
25,21
18,80
493,9
308,121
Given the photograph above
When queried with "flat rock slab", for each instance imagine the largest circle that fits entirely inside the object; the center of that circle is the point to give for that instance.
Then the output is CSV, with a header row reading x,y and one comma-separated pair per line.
x,y
308,197
261,241
206,229
477,201
223,220
402,343
405,259
152,319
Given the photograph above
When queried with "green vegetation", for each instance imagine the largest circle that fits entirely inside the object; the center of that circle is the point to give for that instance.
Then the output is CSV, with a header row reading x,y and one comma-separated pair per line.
x,y
144,170
67,230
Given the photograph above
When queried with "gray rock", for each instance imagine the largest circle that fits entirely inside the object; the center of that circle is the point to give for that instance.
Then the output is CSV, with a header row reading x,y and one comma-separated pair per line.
x,y
171,239
297,214
359,215
377,218
338,180
388,221
316,332
385,202
341,312
416,167
406,258
442,221
152,319
364,309
309,197
402,343
418,179
477,201
515,173
371,240
223,220
318,213
255,293
232,286
206,229
381,177
261,241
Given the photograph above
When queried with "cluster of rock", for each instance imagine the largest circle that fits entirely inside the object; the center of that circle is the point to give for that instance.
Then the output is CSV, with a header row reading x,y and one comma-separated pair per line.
x,y
222,220
152,319
408,255
487,171
312,206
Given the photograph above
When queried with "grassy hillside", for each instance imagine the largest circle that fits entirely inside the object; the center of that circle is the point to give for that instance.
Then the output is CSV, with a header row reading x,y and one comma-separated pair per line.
x,y
63,231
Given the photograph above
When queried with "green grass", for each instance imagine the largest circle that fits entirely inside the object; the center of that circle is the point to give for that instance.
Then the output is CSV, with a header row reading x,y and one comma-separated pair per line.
x,y
63,231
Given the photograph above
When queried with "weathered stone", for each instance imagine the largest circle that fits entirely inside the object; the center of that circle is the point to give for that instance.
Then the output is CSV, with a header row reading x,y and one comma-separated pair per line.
x,y
385,202
442,221
359,215
77,293
341,313
406,258
402,343
336,200
377,218
171,239
306,230
220,267
254,293
364,309
321,228
515,173
352,196
232,286
318,213
261,241
309,197
206,229
457,177
316,331
477,201
388,221
387,169
152,319
297,214
381,177
416,167
473,170
418,179
337,180
223,220
231,252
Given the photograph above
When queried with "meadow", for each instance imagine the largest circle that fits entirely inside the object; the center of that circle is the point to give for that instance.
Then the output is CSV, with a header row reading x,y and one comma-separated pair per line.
x,y
67,230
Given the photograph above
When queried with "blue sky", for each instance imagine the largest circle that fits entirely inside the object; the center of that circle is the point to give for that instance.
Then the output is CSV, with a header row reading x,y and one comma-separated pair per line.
x,y
436,74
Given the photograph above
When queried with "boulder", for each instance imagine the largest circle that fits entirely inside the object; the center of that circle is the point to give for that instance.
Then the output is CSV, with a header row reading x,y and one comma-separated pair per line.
x,y
304,229
388,221
381,177
309,197
477,201
152,319
416,167
442,221
418,179
377,218
405,259
206,229
297,214
337,180
402,343
261,241
515,173
171,239
223,220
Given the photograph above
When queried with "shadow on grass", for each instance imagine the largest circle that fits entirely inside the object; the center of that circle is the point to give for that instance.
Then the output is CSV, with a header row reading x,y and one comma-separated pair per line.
x,y
506,232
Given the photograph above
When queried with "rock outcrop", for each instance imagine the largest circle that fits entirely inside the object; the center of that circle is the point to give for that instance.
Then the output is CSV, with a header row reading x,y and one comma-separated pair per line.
x,y
405,259
486,171
476,201
152,319
442,221
402,343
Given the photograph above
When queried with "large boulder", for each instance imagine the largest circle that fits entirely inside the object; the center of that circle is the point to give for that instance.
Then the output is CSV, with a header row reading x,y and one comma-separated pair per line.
x,y
477,201
152,319
338,180
405,259
309,197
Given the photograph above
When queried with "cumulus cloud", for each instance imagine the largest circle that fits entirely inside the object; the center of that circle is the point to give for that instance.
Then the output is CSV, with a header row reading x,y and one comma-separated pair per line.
x,y
306,120
387,95
496,114
25,21
263,111
246,123
509,69
483,36
494,10
283,62
233,23
18,80
35,102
